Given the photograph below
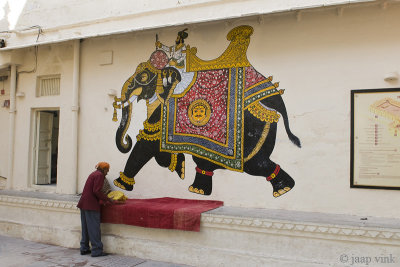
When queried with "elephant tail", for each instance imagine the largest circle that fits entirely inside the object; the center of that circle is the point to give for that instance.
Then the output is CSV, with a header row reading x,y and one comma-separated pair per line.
x,y
276,102
295,140
122,139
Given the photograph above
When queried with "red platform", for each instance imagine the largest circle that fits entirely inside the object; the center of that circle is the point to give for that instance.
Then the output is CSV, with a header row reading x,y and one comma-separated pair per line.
x,y
164,213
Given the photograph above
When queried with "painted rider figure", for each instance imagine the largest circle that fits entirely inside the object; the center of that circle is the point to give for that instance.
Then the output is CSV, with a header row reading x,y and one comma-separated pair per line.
x,y
177,59
177,52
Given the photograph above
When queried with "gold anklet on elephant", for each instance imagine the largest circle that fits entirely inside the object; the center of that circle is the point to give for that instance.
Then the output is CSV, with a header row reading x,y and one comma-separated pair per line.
x,y
174,161
152,127
126,179
117,184
183,170
149,137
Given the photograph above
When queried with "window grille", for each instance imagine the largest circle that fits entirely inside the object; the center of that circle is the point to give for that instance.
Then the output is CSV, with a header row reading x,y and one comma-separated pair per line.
x,y
48,85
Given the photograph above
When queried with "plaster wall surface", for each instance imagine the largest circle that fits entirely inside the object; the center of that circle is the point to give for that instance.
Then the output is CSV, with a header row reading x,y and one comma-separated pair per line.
x,y
51,60
318,60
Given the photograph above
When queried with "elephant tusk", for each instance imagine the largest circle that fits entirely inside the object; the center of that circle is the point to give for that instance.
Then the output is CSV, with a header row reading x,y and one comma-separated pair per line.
x,y
119,103
131,99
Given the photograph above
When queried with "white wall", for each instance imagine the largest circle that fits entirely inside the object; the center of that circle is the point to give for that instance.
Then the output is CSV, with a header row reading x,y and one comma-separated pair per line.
x,y
51,60
318,60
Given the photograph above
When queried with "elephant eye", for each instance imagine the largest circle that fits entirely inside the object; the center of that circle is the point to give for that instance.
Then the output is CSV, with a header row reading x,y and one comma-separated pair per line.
x,y
144,77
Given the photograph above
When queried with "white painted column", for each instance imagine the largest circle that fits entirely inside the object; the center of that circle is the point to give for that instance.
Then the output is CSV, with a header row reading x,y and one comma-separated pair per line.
x,y
75,117
13,88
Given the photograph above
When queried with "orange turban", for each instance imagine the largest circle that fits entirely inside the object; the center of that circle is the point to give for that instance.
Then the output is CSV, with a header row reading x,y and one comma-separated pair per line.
x,y
102,166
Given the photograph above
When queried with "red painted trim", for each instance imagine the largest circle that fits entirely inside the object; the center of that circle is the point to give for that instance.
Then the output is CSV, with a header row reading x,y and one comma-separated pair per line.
x,y
275,173
204,172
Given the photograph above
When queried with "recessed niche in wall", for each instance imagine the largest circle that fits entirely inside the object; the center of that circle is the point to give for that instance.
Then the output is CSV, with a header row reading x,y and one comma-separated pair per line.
x,y
106,58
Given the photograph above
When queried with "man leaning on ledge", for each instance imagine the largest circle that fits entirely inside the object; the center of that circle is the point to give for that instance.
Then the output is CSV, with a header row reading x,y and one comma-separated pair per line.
x,y
89,204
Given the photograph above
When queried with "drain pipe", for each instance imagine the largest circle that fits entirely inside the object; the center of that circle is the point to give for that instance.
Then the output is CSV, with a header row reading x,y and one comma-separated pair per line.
x,y
75,113
13,89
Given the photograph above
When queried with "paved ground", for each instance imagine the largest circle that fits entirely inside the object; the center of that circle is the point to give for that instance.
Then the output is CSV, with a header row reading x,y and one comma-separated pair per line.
x,y
16,252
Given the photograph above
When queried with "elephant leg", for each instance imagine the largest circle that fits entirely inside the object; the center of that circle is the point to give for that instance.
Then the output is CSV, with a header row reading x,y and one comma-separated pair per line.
x,y
174,162
141,153
259,164
203,180
281,181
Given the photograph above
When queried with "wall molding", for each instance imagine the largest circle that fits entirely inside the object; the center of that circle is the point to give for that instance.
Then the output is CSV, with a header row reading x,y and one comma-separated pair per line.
x,y
37,203
367,234
374,235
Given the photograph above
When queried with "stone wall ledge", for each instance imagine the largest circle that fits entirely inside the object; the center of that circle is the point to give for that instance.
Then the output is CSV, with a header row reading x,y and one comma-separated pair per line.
x,y
306,224
229,236
39,200
279,222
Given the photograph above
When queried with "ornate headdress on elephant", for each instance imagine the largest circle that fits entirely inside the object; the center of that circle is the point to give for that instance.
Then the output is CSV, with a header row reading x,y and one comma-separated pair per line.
x,y
141,85
150,80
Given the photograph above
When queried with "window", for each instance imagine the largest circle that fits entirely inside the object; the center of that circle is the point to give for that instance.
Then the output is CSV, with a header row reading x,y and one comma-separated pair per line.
x,y
48,85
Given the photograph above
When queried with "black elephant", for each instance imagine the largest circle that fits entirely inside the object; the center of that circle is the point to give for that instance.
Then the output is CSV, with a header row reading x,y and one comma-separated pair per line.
x,y
255,126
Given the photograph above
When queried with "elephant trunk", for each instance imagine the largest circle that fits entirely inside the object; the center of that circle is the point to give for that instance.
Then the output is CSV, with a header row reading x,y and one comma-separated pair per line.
x,y
122,139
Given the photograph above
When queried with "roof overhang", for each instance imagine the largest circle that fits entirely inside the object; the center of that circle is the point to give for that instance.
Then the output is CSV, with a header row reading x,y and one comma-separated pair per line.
x,y
156,17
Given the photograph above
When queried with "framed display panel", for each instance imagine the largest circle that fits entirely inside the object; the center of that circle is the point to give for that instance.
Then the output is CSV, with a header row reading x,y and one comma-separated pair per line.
x,y
375,138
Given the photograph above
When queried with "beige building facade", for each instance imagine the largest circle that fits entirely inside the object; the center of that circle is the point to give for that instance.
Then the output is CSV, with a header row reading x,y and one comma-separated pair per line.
x,y
60,75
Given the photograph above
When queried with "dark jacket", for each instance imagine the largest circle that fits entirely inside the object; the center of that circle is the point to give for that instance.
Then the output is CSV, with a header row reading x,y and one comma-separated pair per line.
x,y
92,192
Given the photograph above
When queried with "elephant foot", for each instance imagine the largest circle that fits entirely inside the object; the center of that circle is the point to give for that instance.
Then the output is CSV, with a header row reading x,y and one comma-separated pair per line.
x,y
202,183
281,182
180,166
124,182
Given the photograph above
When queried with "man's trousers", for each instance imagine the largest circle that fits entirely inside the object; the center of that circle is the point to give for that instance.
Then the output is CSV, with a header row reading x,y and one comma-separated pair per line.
x,y
90,221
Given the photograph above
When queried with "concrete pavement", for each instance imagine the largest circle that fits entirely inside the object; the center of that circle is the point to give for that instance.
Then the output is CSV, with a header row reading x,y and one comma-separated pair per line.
x,y
15,252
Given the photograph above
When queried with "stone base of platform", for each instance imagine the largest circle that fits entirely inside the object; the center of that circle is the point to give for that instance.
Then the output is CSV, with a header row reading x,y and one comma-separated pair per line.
x,y
228,236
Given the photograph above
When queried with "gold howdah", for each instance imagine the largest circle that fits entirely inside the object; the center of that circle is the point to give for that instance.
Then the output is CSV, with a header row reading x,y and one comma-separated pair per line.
x,y
233,57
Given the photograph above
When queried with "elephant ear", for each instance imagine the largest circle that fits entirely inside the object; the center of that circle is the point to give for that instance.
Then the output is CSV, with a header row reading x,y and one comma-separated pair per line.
x,y
149,85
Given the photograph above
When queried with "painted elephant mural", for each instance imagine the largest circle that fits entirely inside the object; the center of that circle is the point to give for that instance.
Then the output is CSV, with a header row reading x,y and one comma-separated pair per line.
x,y
222,112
